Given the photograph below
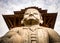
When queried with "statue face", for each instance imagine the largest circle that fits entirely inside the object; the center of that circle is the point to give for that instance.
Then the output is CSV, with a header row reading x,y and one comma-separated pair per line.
x,y
32,14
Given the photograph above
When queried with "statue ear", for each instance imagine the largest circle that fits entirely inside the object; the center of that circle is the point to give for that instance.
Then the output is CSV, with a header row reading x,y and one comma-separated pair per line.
x,y
41,20
22,21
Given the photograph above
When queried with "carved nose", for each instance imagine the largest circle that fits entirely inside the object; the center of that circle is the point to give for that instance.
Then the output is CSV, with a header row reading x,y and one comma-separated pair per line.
x,y
31,15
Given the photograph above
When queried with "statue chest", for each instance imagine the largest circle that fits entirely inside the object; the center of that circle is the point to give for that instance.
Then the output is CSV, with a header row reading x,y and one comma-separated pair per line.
x,y
35,36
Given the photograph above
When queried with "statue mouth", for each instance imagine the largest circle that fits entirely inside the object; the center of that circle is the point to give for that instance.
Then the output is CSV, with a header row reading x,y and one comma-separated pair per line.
x,y
31,18
31,21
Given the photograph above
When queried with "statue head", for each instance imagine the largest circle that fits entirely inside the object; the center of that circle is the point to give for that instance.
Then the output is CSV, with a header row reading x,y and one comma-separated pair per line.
x,y
32,16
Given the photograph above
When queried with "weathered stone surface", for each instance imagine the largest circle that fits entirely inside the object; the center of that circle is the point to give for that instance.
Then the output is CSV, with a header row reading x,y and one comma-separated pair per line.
x,y
25,35
31,32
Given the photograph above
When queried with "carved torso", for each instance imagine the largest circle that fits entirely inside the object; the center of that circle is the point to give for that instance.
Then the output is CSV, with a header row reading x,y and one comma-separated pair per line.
x,y
31,35
37,35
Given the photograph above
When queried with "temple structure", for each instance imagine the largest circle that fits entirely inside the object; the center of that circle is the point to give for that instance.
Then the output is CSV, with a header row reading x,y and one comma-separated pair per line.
x,y
15,20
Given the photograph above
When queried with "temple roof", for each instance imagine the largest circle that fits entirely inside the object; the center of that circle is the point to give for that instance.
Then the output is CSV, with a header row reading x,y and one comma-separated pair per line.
x,y
15,20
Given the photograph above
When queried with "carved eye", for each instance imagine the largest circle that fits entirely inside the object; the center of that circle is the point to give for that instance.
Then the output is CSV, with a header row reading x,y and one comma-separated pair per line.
x,y
35,13
26,13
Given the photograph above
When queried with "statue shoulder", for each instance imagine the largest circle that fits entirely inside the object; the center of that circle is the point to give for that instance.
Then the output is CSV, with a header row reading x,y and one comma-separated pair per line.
x,y
16,28
13,31
53,35
42,27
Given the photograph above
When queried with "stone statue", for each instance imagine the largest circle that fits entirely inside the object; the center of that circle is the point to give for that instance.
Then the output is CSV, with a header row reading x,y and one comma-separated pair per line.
x,y
31,32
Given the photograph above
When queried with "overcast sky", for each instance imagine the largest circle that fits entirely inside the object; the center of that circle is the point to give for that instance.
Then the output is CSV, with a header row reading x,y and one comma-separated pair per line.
x,y
8,6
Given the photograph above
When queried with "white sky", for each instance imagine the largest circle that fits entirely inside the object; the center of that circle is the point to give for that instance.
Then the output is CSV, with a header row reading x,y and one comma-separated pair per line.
x,y
8,6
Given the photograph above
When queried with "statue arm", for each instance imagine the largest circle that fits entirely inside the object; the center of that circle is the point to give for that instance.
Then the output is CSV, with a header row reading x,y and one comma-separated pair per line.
x,y
53,36
9,34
